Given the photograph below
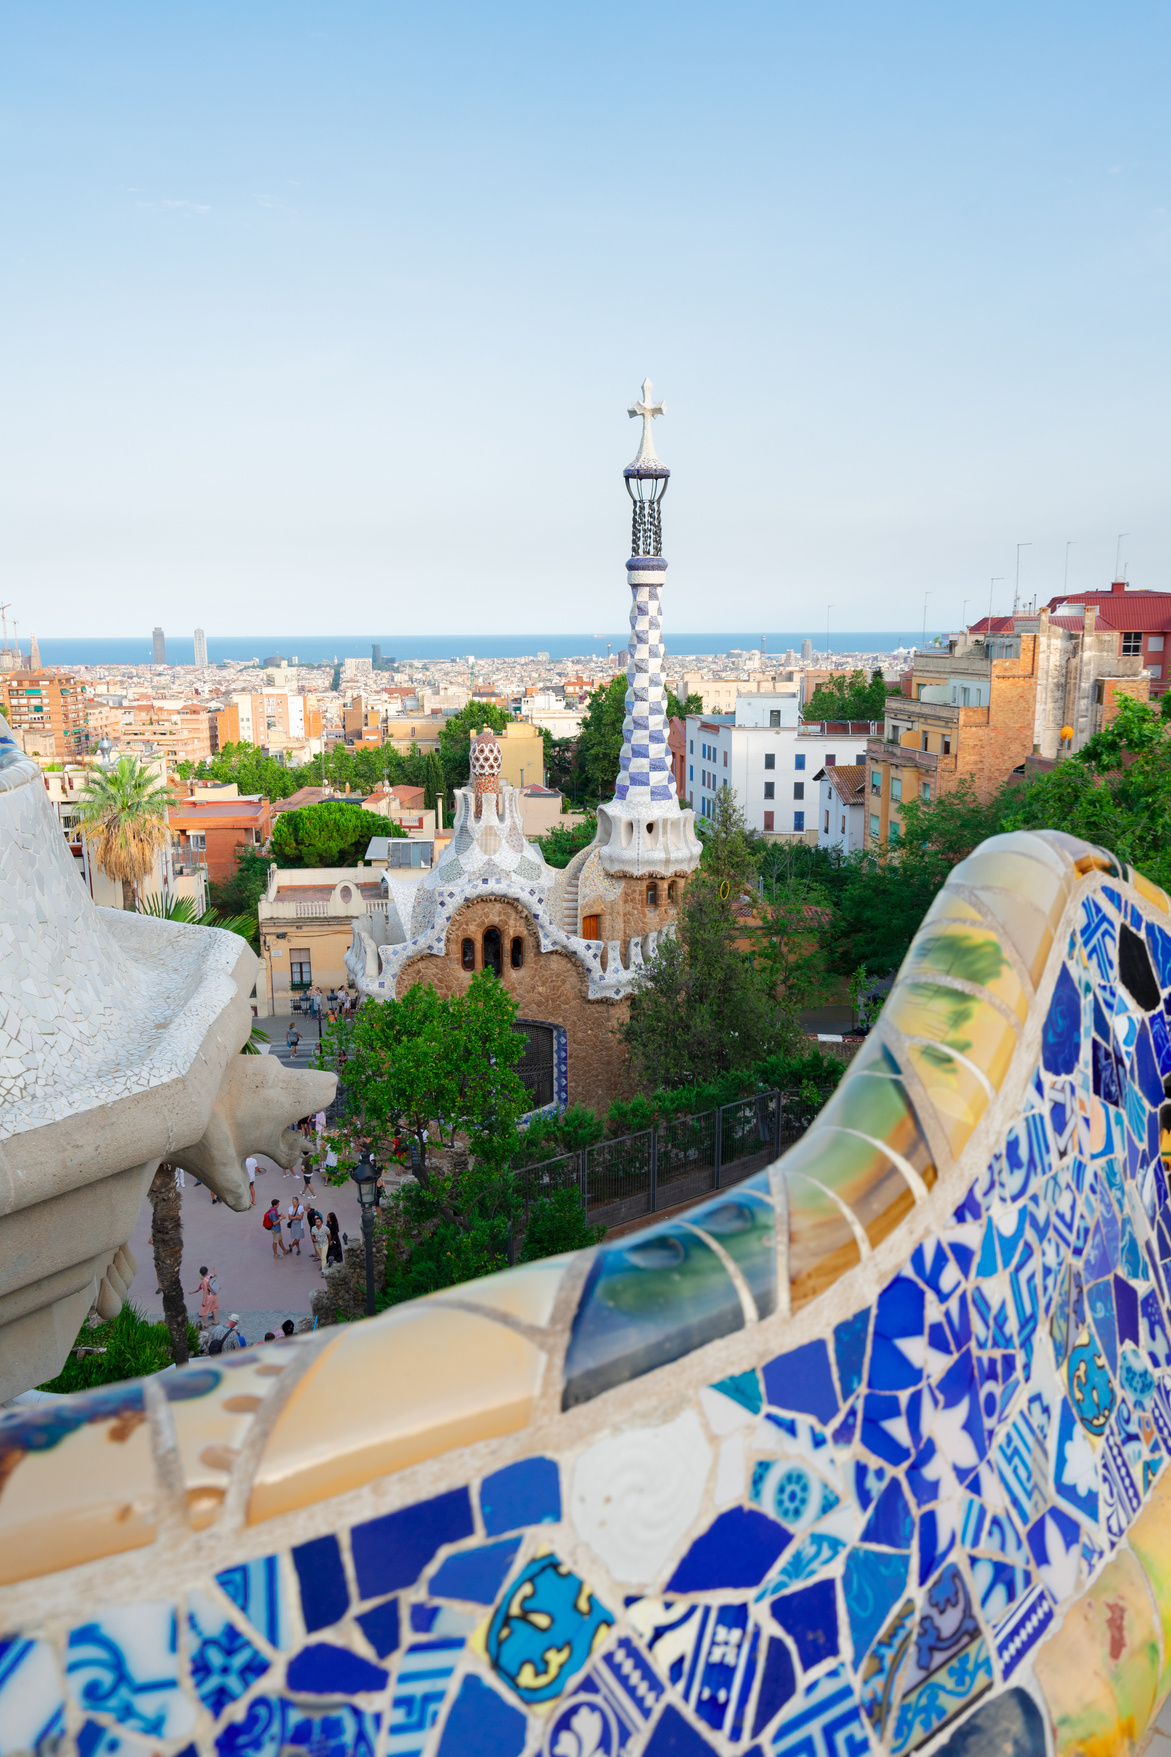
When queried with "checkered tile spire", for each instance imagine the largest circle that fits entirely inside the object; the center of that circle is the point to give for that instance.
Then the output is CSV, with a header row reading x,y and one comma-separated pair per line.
x,y
644,770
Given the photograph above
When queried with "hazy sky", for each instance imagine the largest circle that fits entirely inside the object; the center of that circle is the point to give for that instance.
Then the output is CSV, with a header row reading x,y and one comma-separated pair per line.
x,y
325,318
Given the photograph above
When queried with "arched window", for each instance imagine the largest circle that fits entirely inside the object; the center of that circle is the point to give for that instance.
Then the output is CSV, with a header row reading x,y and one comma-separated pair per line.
x,y
518,951
492,950
671,892
468,955
652,896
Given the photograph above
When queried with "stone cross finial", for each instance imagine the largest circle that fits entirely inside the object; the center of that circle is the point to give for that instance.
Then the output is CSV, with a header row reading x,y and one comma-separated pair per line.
x,y
648,411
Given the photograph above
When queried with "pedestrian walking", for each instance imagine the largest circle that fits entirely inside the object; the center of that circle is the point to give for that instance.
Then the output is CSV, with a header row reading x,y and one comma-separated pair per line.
x,y
319,1233
272,1225
250,1168
296,1215
307,1175
209,1288
292,1039
180,1178
319,1124
334,1251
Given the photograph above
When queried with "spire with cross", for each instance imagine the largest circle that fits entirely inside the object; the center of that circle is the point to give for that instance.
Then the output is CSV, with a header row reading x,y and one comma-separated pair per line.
x,y
647,463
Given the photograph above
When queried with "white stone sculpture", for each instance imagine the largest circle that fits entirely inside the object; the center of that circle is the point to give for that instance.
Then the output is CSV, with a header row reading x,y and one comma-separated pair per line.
x,y
120,1039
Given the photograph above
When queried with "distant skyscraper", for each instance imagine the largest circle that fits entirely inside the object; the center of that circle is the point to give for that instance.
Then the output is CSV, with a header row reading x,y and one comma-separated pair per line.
x,y
200,646
160,646
806,650
376,654
34,654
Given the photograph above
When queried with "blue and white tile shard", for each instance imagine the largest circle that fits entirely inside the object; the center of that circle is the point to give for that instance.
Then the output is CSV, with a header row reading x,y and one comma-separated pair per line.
x,y
864,1542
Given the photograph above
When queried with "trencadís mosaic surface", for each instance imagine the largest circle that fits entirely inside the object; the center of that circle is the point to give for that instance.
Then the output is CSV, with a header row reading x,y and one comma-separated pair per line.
x,y
866,1454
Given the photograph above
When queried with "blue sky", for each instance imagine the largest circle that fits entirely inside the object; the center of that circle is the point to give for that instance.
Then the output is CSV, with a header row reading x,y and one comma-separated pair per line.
x,y
326,318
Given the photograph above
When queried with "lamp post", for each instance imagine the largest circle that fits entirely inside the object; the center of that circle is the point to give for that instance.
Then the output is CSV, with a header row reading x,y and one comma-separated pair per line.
x,y
365,1175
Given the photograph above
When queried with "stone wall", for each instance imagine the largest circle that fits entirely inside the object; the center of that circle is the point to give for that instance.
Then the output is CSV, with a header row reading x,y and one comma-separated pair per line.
x,y
550,986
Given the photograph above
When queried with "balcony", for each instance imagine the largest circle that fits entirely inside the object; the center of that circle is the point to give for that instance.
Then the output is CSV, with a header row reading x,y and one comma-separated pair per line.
x,y
883,750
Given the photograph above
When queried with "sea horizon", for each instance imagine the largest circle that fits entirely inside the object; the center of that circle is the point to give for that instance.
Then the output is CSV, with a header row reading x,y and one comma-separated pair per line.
x,y
416,649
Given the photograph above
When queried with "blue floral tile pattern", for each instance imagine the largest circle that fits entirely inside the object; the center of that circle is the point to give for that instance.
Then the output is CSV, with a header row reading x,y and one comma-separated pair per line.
x,y
860,1538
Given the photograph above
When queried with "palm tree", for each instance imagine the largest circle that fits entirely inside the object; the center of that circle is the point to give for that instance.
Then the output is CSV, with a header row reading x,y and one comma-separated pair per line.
x,y
124,816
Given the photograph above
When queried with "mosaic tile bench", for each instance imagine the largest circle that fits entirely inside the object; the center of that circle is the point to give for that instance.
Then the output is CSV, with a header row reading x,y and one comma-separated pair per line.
x,y
865,1454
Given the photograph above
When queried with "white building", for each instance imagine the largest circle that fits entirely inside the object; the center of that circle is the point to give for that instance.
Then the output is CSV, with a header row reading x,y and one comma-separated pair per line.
x,y
769,758
201,649
841,810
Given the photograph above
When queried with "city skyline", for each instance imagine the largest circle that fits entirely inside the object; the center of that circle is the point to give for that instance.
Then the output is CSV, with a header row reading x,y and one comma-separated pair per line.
x,y
321,306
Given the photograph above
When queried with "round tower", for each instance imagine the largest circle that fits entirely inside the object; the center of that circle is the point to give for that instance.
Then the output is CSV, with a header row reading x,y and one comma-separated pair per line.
x,y
644,832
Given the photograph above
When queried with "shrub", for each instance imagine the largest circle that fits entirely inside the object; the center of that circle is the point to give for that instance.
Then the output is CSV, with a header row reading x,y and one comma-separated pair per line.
x,y
134,1348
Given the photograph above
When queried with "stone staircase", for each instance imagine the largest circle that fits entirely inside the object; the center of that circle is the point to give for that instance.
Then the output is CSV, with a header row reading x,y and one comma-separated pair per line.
x,y
569,906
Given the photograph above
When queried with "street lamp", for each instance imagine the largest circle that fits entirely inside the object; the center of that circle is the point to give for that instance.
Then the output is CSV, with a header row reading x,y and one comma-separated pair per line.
x,y
365,1175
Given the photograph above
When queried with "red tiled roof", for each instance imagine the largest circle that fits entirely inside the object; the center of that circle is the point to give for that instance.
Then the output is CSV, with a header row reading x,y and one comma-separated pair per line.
x,y
1148,612
1000,625
847,779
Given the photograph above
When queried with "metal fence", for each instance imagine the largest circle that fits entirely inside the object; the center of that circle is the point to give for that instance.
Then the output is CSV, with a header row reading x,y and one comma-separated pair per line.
x,y
676,1161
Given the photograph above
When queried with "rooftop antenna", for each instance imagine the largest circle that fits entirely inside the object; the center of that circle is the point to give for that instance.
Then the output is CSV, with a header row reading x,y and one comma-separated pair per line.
x,y
1118,552
1016,595
828,608
926,595
964,617
1065,582
4,608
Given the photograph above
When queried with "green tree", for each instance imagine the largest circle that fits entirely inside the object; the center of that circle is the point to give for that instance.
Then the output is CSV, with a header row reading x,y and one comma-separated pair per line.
x,y
123,812
563,841
678,708
455,738
600,742
564,766
851,697
334,833
707,1002
434,785
424,1063
240,894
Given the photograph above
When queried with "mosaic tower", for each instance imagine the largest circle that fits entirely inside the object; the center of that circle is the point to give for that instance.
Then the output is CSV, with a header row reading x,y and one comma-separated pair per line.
x,y
643,830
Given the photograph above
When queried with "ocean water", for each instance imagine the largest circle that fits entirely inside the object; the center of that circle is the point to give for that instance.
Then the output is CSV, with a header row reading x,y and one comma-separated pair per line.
x,y
324,649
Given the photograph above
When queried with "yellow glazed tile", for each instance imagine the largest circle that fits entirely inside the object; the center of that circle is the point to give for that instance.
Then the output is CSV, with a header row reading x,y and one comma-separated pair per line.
x,y
860,1175
972,955
1099,1672
957,1096
1150,893
527,1292
71,1496
211,1429
1150,1539
822,1245
390,1392
972,1027
877,1105
1004,869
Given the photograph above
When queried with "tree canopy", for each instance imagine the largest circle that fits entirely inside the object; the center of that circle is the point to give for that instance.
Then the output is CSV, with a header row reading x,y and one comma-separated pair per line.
x,y
600,742
709,1001
848,697
123,812
334,833
563,841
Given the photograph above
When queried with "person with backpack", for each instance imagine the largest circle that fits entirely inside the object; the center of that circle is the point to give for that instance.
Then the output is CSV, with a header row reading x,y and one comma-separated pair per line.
x,y
209,1288
292,1039
272,1225
227,1337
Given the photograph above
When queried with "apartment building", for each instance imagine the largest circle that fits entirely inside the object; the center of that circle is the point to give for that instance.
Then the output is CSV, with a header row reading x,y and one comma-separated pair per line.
x,y
841,807
719,694
48,712
769,757
212,829
254,719
1140,620
993,699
